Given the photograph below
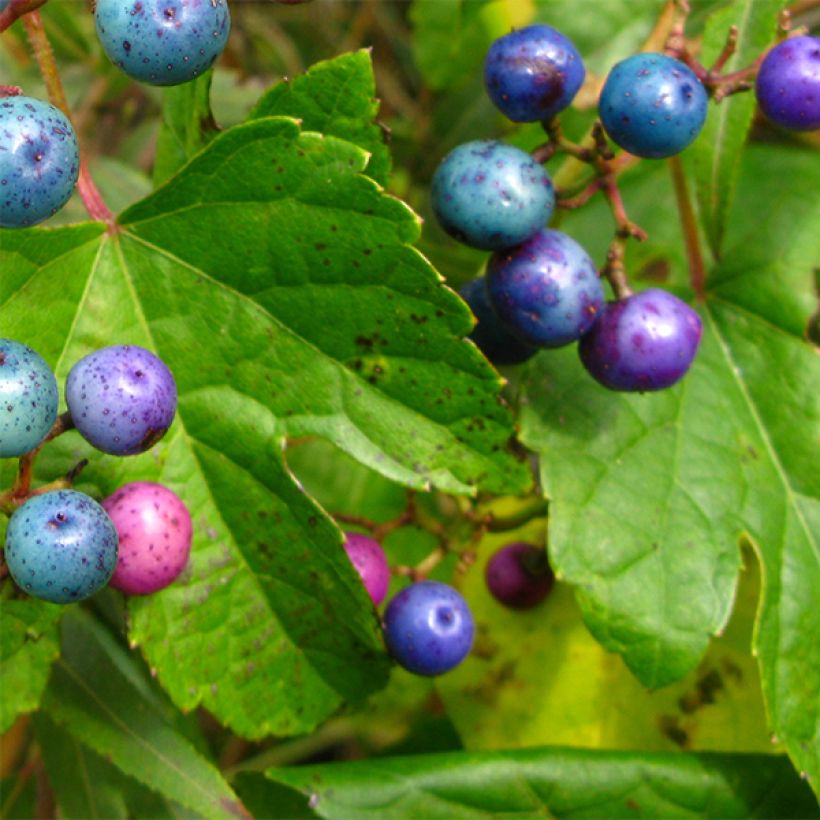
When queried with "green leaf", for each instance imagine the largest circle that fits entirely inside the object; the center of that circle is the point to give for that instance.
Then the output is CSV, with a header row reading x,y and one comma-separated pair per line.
x,y
335,97
553,782
650,493
97,696
28,646
187,126
717,153
310,315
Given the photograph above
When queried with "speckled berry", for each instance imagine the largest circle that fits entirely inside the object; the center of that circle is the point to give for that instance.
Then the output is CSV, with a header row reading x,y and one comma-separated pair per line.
x,y
533,73
788,84
428,628
489,334
154,529
519,576
122,399
546,291
368,557
163,42
644,342
61,546
490,195
28,398
39,161
4,4
653,105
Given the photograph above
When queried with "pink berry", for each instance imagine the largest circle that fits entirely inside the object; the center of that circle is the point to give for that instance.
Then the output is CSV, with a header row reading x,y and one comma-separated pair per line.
x,y
155,530
368,557
519,576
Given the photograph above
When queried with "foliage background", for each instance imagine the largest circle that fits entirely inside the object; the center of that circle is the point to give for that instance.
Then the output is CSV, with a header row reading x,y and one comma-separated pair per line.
x,y
322,370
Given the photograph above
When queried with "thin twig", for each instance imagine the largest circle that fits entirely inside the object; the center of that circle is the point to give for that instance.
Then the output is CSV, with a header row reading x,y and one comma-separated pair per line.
x,y
697,270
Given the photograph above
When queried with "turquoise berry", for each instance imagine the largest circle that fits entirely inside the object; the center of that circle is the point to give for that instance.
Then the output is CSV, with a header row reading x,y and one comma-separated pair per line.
x,y
653,105
163,42
39,161
61,546
28,398
491,195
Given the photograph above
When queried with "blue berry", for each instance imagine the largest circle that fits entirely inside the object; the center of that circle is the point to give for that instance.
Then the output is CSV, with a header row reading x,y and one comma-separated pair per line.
x,y
163,42
39,161
644,342
61,546
4,4
28,398
122,399
533,73
489,335
788,84
546,291
428,628
490,195
652,105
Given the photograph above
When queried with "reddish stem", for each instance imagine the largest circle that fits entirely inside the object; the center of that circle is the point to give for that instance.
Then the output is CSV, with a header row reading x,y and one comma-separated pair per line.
x,y
10,91
697,270
15,9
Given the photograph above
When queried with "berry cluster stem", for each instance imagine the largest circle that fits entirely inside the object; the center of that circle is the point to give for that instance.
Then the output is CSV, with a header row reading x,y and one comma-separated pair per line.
x,y
689,225
17,8
44,55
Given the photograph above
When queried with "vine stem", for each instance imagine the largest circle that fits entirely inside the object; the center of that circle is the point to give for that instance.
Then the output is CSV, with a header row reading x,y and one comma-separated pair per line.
x,y
697,269
17,8
44,55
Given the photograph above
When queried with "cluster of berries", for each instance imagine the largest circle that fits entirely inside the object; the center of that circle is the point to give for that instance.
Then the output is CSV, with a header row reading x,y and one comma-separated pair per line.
x,y
61,545
161,42
428,626
541,289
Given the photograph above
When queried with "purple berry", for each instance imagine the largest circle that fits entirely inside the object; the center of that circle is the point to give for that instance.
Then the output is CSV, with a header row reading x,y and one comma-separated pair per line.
x,y
428,628
644,342
489,335
39,161
28,398
653,105
367,556
546,291
61,546
122,399
788,84
519,576
490,195
163,42
533,73
154,529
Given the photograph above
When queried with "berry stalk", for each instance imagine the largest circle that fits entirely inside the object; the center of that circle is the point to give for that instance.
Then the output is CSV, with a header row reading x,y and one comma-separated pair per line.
x,y
689,225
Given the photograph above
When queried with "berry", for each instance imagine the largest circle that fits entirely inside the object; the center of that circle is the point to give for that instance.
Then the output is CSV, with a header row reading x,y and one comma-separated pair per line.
x,y
367,556
428,628
163,42
644,342
788,84
122,399
533,73
490,195
519,576
546,291
61,546
39,161
154,529
28,398
489,335
652,105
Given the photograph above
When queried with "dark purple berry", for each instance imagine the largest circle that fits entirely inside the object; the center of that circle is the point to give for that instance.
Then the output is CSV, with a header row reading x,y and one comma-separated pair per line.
x,y
428,628
653,105
368,557
490,195
39,161
28,398
788,84
644,342
122,399
546,291
154,529
489,334
61,546
518,575
533,73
